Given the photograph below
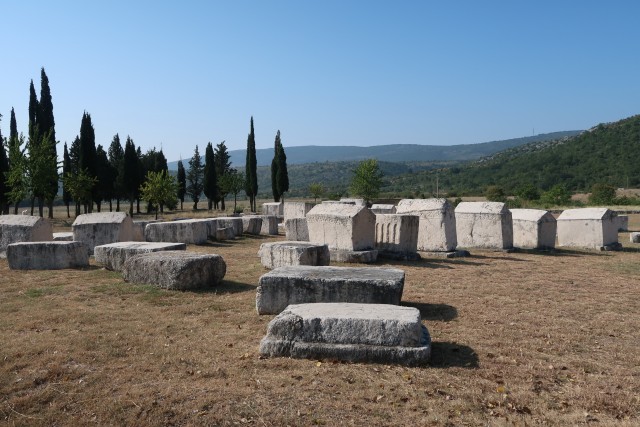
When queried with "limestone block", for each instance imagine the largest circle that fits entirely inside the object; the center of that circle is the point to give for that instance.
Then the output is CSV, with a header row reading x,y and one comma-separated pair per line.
x,y
354,257
177,270
437,227
297,209
23,228
303,284
269,225
281,254
587,228
342,226
47,255
296,229
234,222
273,208
484,225
64,236
100,228
397,233
634,237
113,255
187,231
383,209
138,229
533,229
357,202
623,223
225,233
251,224
350,332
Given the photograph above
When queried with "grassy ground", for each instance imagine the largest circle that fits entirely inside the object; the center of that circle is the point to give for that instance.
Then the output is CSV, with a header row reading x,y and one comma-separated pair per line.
x,y
518,339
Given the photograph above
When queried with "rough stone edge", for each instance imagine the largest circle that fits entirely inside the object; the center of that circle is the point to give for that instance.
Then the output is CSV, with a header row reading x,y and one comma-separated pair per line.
x,y
353,257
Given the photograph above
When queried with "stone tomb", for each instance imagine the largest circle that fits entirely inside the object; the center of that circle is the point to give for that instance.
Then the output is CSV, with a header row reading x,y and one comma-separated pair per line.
x,y
269,225
437,225
297,209
357,202
234,222
375,333
189,231
178,270
533,229
595,228
296,229
282,254
113,255
623,223
63,236
303,284
251,224
225,233
23,228
273,208
379,209
397,236
47,255
100,228
485,225
138,229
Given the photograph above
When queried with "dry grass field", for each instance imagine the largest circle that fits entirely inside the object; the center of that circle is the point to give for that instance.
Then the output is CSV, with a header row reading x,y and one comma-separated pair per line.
x,y
518,339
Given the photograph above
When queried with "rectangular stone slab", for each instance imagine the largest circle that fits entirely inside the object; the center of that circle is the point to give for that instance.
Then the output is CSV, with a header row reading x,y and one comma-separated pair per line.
x,y
100,228
251,224
183,231
114,255
47,255
281,254
296,229
234,222
304,284
269,225
353,332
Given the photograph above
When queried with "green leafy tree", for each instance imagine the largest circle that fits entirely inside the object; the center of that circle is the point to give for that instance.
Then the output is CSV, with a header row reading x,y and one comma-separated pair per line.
x,y
159,188
66,169
195,176
367,180
251,184
182,183
116,162
39,173
317,190
130,172
223,165
558,195
233,182
602,194
210,187
17,176
528,192
79,184
495,193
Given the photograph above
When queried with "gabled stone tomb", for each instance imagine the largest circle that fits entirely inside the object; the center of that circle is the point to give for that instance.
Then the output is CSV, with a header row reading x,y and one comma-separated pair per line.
x,y
595,228
23,228
485,225
397,234
342,226
533,229
297,209
437,225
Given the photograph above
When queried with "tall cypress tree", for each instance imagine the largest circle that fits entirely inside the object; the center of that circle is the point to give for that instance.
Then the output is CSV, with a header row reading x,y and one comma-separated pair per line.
x,y
182,183
4,168
13,128
87,160
282,176
210,177
74,166
33,126
223,166
274,170
251,169
104,186
46,123
66,168
130,172
116,160
195,176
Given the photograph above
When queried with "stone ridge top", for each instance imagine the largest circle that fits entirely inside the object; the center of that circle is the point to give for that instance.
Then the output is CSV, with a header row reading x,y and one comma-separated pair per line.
x,y
100,217
585,213
496,208
346,273
337,209
24,220
419,205
535,215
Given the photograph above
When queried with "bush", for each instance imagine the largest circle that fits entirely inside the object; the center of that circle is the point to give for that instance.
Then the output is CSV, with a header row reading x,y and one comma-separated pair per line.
x,y
558,195
495,193
602,194
528,192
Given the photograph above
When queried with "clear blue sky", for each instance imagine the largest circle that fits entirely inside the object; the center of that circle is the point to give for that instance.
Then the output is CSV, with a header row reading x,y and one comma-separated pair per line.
x,y
344,72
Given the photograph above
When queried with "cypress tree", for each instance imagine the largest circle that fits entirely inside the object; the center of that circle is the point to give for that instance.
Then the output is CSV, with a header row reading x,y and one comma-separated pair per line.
x,y
74,165
142,173
4,168
195,176
13,141
282,176
33,125
210,178
66,168
251,176
182,183
130,172
116,159
274,171
223,166
87,160
104,187
46,123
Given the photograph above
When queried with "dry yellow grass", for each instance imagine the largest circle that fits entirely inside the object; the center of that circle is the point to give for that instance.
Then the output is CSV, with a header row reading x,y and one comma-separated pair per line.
x,y
521,338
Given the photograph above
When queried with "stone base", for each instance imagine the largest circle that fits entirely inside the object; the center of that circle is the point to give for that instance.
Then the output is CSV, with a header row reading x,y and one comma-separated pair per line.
x,y
66,236
450,254
282,254
375,333
47,255
353,257
114,255
399,256
617,246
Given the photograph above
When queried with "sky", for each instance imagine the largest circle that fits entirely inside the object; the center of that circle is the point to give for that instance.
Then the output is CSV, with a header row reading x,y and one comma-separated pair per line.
x,y
174,75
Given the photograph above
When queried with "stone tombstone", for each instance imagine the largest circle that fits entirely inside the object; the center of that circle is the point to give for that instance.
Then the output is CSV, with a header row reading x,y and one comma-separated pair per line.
x,y
623,223
533,229
273,208
357,202
282,254
234,222
397,233
437,225
100,228
269,225
23,228
297,209
634,237
63,236
383,209
595,228
342,226
47,255
138,229
296,229
251,224
485,225
113,255
188,231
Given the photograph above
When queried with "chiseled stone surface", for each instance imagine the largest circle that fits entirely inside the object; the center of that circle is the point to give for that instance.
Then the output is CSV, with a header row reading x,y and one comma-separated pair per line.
x,y
533,229
297,209
281,254
138,229
354,257
396,233
381,209
225,233
234,222
296,229
304,284
113,255
187,231
484,225
342,226
47,255
63,236
269,225
376,333
587,228
177,270
273,208
251,224
437,227
100,228
23,228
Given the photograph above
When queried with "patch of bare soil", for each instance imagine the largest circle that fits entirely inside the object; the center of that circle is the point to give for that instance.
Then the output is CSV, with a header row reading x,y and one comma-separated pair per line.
x,y
518,339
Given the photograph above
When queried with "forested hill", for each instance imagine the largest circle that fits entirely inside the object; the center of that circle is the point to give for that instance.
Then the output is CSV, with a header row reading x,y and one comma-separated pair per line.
x,y
607,153
389,153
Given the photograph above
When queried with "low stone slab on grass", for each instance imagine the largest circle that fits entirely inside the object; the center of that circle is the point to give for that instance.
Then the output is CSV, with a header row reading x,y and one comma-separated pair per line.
x,y
177,270
305,284
114,255
63,236
281,254
354,257
182,231
47,255
634,237
225,233
377,333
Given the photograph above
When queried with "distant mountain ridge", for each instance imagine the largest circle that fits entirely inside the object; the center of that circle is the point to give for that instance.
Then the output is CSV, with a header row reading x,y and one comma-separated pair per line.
x,y
389,153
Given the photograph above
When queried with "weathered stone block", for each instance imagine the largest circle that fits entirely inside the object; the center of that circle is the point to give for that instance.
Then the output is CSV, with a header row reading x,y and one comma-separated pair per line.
x,y
382,209
437,224
97,229
177,270
47,255
484,225
342,226
301,284
587,228
251,224
354,257
113,255
273,208
350,332
623,223
182,231
23,228
297,209
225,233
296,229
269,225
63,236
138,229
234,222
397,233
281,254
357,202
533,229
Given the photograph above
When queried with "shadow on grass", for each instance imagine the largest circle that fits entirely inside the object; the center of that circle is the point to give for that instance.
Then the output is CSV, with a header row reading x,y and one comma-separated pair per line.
x,y
562,252
227,287
441,312
447,263
631,250
451,354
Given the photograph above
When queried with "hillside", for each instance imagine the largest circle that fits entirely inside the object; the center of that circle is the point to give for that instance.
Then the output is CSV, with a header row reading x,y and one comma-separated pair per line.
x,y
603,154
